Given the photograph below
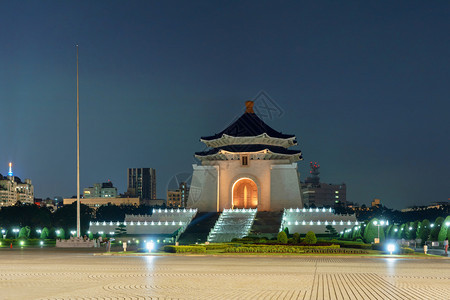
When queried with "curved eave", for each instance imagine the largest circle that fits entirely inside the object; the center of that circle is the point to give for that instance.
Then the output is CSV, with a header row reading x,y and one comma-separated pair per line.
x,y
221,154
263,139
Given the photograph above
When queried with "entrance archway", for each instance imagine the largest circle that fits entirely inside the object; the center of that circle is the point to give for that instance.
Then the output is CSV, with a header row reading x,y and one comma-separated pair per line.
x,y
245,193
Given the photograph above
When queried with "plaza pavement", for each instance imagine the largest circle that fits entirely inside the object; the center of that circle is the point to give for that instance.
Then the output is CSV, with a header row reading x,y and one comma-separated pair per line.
x,y
78,274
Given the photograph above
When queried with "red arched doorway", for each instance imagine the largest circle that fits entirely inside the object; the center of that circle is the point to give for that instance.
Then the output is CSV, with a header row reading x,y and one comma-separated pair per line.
x,y
245,194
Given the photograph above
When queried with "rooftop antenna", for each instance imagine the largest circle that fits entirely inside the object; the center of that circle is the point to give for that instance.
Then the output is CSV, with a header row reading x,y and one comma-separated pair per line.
x,y
10,173
78,153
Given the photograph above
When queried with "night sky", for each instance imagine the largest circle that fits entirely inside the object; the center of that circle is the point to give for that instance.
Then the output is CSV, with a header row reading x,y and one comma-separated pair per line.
x,y
364,86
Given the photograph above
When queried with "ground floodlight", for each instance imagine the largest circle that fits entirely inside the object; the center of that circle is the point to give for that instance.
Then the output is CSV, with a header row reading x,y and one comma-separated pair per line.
x,y
391,248
41,243
150,245
22,243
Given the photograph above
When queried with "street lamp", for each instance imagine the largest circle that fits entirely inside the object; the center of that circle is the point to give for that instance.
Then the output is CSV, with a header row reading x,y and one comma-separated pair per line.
x,y
378,224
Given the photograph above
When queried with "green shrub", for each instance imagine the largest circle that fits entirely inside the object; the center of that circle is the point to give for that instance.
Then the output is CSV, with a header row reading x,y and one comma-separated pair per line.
x,y
406,250
216,246
277,249
351,244
282,237
184,249
296,237
310,238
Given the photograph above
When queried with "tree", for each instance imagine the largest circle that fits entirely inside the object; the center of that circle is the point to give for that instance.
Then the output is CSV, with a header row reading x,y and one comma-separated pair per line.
x,y
389,231
61,234
331,231
371,231
66,217
282,237
444,232
310,238
296,237
434,234
424,231
120,230
24,232
110,213
44,233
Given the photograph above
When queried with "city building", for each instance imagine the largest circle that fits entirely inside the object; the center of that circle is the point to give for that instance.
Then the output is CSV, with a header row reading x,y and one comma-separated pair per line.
x,y
317,194
141,183
248,165
103,190
376,203
12,189
178,197
445,206
99,201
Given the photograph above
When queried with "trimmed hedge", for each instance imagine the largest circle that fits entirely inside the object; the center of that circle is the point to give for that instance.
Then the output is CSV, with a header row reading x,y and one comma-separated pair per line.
x,y
353,245
406,250
277,249
184,249
216,246
338,251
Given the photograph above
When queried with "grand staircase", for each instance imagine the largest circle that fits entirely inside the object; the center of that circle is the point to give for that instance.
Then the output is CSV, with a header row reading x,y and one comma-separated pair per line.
x,y
198,229
232,223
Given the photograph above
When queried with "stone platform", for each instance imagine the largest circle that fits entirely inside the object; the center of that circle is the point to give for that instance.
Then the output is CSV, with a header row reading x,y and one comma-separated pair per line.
x,y
77,274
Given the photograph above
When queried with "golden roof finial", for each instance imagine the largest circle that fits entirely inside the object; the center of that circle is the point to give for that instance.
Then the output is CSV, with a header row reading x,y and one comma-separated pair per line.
x,y
249,107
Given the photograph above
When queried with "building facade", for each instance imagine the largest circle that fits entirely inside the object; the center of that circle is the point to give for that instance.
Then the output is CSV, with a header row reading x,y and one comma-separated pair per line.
x,y
141,183
178,197
317,194
248,165
12,189
103,190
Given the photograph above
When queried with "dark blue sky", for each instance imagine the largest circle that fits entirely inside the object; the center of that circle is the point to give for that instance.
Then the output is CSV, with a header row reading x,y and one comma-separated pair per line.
x,y
364,86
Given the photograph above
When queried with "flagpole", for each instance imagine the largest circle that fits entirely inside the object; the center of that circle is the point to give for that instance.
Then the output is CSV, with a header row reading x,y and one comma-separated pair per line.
x,y
78,154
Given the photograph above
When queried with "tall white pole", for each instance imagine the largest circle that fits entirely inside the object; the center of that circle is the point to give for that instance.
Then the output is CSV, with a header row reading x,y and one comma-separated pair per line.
x,y
78,154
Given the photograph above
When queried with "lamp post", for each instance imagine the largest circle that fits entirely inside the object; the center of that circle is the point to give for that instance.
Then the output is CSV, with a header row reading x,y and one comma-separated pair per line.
x,y
378,224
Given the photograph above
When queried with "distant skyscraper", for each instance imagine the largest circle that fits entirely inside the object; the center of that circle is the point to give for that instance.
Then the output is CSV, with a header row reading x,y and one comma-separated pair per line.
x,y
315,193
178,197
142,183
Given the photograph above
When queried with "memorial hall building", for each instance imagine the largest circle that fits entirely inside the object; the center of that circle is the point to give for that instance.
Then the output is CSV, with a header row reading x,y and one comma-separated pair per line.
x,y
247,165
